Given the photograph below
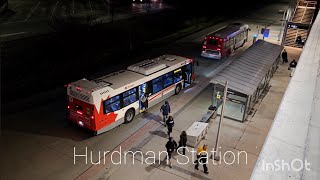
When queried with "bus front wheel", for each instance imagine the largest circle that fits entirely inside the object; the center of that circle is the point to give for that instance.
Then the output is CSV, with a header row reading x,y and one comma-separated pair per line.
x,y
178,89
129,116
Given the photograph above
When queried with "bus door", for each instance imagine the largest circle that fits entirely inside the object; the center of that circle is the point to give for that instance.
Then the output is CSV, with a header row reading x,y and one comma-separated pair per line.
x,y
187,74
143,97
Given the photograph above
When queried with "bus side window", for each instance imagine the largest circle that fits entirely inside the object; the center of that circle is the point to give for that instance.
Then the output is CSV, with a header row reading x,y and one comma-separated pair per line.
x,y
231,41
157,84
237,38
168,79
226,44
112,104
177,75
129,97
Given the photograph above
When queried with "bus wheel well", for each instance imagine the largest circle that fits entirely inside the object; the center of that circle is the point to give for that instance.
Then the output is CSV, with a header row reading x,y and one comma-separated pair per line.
x,y
178,89
129,116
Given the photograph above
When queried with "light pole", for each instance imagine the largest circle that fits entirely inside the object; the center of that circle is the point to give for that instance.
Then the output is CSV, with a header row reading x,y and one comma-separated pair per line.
x,y
216,154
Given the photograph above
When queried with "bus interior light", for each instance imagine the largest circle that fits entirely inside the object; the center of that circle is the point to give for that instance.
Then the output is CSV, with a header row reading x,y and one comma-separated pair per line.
x,y
79,89
92,117
68,107
79,112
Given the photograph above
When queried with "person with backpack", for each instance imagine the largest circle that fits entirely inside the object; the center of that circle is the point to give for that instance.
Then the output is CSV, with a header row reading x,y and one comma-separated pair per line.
x,y
165,109
183,142
170,146
170,124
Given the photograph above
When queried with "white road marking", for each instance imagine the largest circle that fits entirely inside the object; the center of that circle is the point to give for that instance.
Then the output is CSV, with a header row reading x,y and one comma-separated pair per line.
x,y
54,9
32,11
90,6
17,5
12,34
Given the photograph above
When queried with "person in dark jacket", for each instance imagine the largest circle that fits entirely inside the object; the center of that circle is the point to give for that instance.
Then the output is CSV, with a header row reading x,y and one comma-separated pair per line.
x,y
292,67
299,39
165,109
183,142
170,146
284,56
170,124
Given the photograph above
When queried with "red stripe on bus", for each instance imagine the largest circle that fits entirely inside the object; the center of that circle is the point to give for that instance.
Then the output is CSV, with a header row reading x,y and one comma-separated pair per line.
x,y
165,90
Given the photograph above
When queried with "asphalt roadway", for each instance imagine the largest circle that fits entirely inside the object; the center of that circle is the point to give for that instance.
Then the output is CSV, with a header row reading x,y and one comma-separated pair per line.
x,y
31,17
39,143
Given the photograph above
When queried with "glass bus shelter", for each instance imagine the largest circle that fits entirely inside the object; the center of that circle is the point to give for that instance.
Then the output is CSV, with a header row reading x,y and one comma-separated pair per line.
x,y
247,76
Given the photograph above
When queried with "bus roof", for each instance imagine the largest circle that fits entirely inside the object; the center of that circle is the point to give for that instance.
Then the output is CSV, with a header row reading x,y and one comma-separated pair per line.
x,y
132,74
229,30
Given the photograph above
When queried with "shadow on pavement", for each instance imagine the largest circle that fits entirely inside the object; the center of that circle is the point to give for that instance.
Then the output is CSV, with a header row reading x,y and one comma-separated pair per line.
x,y
65,130
159,133
163,163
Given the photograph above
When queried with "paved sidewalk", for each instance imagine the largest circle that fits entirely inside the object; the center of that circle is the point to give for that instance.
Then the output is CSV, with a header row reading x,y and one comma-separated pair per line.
x,y
236,137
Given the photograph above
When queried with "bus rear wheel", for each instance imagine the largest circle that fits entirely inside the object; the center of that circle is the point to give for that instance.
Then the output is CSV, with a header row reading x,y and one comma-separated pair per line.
x,y
178,89
129,116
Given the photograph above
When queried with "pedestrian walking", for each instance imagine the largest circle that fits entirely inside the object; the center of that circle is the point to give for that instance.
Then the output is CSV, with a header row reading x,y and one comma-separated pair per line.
x,y
202,157
165,109
284,56
171,146
170,124
292,67
183,142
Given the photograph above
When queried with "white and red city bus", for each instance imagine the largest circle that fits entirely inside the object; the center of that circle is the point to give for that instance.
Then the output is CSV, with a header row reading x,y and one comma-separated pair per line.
x,y
223,42
106,102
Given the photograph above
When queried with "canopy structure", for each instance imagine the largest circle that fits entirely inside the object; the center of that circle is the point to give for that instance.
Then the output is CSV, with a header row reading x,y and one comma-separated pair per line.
x,y
247,76
246,72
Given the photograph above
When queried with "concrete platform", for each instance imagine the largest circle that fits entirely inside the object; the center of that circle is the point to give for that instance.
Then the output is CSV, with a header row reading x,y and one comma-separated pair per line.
x,y
293,141
236,137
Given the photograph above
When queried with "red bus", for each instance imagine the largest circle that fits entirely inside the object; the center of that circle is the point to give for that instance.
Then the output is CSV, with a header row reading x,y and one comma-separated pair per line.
x,y
223,42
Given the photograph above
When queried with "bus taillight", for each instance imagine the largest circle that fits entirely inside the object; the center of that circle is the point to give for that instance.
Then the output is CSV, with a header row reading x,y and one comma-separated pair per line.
x,y
92,117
